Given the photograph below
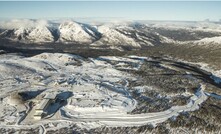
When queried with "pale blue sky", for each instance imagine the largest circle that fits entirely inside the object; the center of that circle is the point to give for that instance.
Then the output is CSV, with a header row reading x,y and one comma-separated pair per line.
x,y
146,10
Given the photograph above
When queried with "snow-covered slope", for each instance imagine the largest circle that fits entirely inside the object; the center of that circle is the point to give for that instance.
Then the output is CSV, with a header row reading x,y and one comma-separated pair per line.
x,y
15,34
114,39
73,32
21,33
113,35
212,40
40,34
31,31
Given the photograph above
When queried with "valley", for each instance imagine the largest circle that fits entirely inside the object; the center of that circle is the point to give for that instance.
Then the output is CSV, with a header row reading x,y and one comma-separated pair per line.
x,y
128,77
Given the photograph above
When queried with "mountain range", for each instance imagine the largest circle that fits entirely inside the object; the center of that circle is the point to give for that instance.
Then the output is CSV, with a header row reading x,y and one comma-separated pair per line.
x,y
133,35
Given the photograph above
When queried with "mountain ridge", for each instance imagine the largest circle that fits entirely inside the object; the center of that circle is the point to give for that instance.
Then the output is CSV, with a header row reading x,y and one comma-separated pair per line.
x,y
128,35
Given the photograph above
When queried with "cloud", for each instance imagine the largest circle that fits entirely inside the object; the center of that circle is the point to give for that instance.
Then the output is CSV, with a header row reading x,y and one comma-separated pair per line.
x,y
22,23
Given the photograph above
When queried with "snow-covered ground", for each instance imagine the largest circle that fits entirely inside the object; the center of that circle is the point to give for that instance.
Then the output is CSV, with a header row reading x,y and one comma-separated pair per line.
x,y
215,74
99,90
96,82
112,117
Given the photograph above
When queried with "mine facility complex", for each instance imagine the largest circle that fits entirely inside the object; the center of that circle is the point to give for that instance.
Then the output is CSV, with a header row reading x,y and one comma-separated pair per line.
x,y
41,109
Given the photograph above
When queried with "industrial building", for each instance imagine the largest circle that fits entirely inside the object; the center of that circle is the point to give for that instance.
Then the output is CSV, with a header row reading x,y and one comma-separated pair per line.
x,y
40,110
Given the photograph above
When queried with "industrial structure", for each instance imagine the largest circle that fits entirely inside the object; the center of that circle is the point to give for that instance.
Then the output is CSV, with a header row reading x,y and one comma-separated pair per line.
x,y
41,109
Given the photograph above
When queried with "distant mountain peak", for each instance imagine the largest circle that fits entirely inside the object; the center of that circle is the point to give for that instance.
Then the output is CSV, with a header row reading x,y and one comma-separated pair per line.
x,y
117,35
73,32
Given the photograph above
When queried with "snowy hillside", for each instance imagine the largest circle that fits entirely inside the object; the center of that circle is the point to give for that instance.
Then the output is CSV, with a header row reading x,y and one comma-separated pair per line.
x,y
29,35
29,32
212,40
40,34
14,34
112,35
73,32
114,39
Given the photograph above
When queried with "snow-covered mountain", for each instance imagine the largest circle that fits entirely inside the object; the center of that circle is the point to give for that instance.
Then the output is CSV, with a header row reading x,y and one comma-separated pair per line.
x,y
73,32
14,34
40,34
29,35
114,39
32,32
127,35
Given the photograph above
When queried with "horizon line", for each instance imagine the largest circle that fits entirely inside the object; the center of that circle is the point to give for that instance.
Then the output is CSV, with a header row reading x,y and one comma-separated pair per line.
x,y
105,19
